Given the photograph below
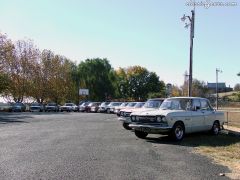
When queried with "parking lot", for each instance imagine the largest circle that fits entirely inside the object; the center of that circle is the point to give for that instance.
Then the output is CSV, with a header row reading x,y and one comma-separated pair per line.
x,y
91,146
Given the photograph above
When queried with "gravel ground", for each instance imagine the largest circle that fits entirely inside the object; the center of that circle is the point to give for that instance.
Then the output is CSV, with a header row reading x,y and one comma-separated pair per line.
x,y
92,146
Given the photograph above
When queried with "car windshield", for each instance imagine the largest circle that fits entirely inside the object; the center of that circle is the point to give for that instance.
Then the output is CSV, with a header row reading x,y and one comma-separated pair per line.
x,y
35,104
139,105
85,104
95,104
18,104
152,104
175,104
123,104
105,104
131,104
91,104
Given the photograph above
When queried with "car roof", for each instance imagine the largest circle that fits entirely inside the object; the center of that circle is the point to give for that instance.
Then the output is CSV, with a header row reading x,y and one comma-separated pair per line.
x,y
157,99
186,98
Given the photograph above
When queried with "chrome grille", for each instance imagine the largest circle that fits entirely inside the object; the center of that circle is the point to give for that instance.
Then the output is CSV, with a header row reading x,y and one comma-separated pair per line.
x,y
145,119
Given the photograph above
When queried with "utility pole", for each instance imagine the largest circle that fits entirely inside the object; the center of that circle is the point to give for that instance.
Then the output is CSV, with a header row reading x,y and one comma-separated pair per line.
x,y
191,24
217,71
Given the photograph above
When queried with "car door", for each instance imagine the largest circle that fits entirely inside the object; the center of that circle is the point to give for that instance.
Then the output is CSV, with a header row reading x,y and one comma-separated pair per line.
x,y
209,114
197,120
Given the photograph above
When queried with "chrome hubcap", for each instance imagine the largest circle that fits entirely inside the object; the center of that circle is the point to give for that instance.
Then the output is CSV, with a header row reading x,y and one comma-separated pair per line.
x,y
215,129
179,132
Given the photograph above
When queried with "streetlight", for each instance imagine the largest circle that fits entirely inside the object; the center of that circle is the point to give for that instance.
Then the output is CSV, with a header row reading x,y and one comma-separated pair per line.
x,y
217,71
191,24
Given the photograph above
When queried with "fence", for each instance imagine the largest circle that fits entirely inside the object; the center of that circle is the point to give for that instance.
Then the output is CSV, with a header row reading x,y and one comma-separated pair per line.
x,y
232,118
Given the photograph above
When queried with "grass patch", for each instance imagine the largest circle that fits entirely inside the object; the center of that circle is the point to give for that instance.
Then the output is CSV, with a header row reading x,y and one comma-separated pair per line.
x,y
223,149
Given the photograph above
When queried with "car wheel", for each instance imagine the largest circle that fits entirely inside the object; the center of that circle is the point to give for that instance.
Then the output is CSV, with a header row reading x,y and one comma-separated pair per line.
x,y
215,128
141,134
126,126
178,131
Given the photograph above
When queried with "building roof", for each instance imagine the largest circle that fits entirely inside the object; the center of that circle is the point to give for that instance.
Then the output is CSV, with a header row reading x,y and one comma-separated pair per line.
x,y
213,85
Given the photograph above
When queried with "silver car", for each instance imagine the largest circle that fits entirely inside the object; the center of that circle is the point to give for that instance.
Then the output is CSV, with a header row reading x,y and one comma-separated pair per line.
x,y
178,116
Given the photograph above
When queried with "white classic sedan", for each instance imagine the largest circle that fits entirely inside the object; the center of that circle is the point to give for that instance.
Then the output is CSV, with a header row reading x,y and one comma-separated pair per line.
x,y
69,107
177,116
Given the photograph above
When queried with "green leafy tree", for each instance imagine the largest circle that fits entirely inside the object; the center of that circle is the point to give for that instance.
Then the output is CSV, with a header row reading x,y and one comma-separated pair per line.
x,y
138,83
122,87
97,75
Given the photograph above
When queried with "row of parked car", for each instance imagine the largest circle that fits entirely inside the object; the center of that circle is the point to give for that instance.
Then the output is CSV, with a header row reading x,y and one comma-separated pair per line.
x,y
38,107
85,106
171,116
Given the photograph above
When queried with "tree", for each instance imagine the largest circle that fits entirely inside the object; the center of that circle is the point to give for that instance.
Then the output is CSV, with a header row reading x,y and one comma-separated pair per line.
x,y
122,88
21,66
4,82
199,88
97,75
237,87
176,91
6,53
184,87
138,83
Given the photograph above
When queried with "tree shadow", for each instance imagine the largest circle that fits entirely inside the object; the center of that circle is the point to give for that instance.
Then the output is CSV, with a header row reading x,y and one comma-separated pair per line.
x,y
198,139
6,118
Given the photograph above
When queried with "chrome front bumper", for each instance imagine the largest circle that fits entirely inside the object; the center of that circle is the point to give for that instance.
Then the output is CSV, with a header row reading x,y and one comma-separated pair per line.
x,y
151,128
125,119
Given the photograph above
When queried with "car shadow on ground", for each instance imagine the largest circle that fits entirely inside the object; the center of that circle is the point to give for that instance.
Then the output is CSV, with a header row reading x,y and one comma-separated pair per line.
x,y
197,139
7,118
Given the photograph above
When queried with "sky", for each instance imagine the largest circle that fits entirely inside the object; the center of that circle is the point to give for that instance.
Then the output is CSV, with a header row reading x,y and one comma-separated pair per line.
x,y
148,33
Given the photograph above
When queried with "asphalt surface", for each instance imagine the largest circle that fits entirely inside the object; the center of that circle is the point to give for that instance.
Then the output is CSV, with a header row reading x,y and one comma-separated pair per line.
x,y
92,146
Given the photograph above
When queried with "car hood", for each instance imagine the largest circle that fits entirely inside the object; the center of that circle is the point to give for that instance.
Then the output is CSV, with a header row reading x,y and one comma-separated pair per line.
x,y
120,108
155,112
139,110
66,106
17,106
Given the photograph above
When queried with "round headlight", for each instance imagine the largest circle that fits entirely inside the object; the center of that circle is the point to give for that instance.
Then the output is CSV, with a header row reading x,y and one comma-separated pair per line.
x,y
164,119
159,119
137,118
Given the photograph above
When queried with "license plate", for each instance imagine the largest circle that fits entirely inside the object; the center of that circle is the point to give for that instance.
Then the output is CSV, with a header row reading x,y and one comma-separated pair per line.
x,y
145,129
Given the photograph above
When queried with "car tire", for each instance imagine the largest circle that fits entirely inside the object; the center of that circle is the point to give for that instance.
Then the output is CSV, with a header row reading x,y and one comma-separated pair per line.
x,y
178,131
141,134
215,128
126,126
